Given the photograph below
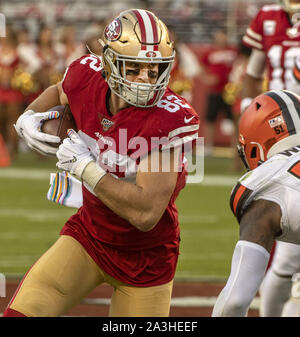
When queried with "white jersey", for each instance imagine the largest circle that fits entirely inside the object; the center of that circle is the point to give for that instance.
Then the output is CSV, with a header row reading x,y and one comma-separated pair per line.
x,y
276,180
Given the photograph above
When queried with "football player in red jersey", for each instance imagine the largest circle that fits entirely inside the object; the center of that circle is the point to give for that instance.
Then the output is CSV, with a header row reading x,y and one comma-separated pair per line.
x,y
126,233
264,200
274,37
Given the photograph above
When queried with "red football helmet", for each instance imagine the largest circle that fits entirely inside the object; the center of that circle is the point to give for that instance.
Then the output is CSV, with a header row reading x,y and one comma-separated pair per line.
x,y
269,125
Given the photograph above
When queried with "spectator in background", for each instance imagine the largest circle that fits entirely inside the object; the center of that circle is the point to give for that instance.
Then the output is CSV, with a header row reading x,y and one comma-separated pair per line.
x,y
31,64
68,47
11,97
52,65
91,36
185,68
216,65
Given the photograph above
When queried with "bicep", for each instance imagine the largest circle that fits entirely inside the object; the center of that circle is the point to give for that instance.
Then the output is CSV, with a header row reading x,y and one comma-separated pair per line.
x,y
157,175
62,95
261,223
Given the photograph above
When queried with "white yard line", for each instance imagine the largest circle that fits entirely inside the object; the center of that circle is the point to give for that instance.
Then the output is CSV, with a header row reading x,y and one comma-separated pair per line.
x,y
189,301
44,174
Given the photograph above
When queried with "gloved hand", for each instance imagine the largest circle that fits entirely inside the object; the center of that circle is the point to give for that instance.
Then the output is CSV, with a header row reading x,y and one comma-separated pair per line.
x,y
28,127
73,155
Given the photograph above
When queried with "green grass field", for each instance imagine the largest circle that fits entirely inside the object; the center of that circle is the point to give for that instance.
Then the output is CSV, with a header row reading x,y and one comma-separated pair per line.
x,y
29,223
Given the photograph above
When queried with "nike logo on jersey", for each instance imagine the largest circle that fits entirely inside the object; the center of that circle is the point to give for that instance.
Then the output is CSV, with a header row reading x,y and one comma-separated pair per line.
x,y
70,161
187,120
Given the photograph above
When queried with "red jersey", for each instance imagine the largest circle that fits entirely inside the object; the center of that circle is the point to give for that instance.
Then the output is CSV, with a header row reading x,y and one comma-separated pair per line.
x,y
272,32
218,62
121,250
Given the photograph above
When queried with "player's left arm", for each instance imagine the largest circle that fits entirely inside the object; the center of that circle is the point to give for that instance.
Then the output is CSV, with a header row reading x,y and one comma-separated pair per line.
x,y
259,227
143,203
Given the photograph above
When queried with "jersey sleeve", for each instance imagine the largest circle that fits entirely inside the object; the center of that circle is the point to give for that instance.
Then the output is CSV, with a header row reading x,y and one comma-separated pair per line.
x,y
78,74
239,199
254,33
254,185
181,128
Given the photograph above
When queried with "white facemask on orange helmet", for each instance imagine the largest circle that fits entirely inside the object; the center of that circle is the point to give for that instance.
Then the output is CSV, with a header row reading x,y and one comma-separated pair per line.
x,y
137,35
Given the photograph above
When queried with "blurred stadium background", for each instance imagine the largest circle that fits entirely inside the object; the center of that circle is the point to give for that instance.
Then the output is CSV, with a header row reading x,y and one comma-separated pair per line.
x,y
47,36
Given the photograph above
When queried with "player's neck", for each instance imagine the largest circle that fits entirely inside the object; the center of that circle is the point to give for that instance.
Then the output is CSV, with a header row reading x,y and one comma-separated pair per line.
x,y
116,103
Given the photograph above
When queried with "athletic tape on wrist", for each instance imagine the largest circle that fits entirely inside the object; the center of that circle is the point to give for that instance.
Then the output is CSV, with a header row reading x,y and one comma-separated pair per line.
x,y
92,174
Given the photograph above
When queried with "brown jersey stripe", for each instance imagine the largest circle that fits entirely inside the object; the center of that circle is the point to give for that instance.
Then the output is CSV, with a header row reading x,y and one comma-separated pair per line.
x,y
296,73
238,197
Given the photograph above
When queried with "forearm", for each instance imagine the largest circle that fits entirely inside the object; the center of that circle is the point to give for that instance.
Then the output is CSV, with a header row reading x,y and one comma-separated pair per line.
x,y
143,203
130,201
252,87
248,266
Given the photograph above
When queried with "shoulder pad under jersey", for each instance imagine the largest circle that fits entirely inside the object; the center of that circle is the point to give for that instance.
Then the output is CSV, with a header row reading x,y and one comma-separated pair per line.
x,y
253,182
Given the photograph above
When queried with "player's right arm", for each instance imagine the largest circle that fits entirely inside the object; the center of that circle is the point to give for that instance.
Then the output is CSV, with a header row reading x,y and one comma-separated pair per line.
x,y
29,123
252,85
52,96
253,80
259,226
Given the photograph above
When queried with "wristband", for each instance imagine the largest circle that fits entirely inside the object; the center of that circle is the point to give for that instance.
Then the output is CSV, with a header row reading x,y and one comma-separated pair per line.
x,y
92,174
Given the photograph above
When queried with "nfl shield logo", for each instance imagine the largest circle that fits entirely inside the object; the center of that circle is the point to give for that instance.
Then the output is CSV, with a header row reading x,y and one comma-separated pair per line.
x,y
106,124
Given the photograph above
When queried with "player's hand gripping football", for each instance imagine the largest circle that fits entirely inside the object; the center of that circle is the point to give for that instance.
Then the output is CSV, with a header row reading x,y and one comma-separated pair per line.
x,y
28,127
75,157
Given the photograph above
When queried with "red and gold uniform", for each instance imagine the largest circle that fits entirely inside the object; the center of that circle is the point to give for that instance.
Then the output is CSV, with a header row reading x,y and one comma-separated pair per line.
x,y
109,239
96,245
272,32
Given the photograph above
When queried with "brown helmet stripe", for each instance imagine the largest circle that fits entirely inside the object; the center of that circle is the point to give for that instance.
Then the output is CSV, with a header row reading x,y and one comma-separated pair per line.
x,y
285,111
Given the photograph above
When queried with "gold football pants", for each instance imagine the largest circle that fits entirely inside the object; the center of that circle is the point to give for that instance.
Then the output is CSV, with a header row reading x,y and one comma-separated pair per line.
x,y
65,274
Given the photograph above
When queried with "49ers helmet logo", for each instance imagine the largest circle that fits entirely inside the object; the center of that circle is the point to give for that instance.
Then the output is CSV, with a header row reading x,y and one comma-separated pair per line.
x,y
113,30
151,53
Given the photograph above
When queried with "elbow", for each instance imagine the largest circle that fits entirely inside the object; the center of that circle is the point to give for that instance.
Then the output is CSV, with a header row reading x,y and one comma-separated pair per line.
x,y
233,308
236,308
144,222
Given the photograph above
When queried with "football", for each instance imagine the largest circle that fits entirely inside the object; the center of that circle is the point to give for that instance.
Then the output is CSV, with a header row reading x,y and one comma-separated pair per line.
x,y
59,127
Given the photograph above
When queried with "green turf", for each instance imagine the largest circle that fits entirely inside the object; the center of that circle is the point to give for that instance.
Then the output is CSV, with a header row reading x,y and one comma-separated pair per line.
x,y
29,223
208,232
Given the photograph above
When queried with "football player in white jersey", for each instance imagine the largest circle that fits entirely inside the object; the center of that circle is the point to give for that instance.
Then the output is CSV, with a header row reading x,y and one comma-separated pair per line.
x,y
266,199
274,37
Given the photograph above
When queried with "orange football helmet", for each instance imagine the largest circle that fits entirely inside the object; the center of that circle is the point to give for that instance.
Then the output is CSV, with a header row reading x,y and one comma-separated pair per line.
x,y
137,35
269,125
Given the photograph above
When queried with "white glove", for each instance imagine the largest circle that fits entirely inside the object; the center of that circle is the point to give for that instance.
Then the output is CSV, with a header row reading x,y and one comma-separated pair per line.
x,y
75,157
28,127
